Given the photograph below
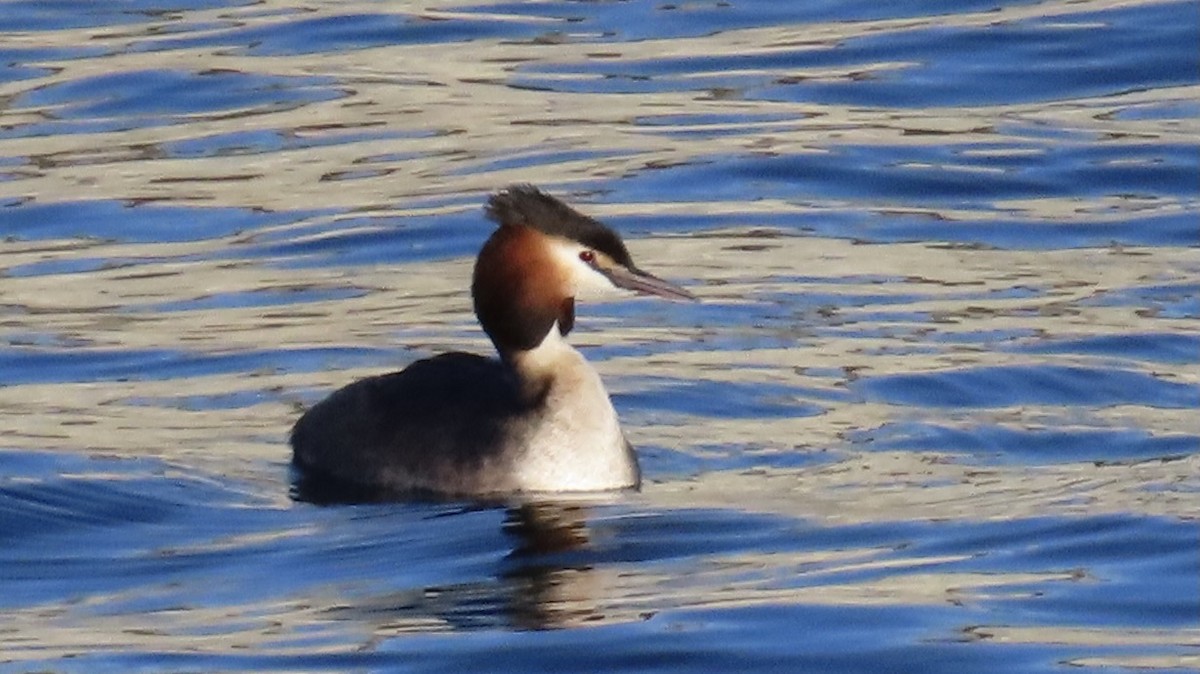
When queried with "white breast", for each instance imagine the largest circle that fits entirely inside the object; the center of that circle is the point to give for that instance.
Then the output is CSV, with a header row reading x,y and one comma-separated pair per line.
x,y
577,444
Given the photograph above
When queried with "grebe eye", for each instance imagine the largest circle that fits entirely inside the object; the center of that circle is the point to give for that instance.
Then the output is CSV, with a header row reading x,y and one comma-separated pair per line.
x,y
587,256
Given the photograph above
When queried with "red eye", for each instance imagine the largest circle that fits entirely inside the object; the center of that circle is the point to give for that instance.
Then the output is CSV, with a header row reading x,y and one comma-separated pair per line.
x,y
587,256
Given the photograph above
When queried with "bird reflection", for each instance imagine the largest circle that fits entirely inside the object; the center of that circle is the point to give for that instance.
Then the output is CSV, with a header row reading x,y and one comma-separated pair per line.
x,y
549,580
545,528
550,586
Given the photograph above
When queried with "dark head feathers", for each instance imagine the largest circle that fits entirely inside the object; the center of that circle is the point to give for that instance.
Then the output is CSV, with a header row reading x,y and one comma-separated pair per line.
x,y
526,205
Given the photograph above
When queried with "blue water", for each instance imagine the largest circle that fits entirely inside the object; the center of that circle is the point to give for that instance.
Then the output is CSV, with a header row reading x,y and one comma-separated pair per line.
x,y
935,413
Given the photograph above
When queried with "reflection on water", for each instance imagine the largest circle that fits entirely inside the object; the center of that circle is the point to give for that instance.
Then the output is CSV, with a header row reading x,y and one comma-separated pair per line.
x,y
540,584
936,410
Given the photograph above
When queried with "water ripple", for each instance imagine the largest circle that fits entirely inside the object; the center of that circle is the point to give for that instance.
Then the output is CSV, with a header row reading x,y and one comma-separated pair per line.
x,y
936,406
1030,385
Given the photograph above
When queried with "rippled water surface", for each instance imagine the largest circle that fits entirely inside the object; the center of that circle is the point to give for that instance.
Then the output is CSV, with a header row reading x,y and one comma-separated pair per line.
x,y
936,412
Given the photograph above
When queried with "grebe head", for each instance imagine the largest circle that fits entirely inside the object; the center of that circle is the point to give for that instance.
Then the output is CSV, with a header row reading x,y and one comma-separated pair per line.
x,y
544,255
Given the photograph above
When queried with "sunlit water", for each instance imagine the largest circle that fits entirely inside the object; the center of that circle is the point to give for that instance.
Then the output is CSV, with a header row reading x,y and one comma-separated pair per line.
x,y
936,412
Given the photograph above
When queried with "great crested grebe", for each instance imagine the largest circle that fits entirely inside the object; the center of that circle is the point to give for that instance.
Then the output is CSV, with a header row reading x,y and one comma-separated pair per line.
x,y
536,420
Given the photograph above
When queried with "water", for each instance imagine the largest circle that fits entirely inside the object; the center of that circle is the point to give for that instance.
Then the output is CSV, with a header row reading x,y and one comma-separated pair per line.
x,y
936,413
